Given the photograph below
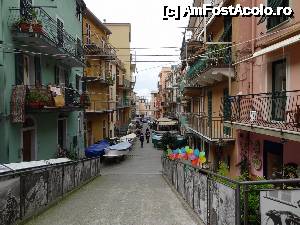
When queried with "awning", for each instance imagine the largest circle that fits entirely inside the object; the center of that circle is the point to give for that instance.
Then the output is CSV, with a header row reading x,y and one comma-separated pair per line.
x,y
272,48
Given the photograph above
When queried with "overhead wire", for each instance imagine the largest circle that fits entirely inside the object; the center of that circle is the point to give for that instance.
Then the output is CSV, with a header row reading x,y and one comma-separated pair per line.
x,y
18,51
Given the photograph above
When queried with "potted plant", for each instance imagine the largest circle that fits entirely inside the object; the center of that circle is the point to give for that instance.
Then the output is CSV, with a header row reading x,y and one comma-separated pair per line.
x,y
36,100
23,24
37,27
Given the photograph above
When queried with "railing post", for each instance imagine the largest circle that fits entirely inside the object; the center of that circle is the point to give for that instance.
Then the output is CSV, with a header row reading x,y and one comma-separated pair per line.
x,y
245,187
237,205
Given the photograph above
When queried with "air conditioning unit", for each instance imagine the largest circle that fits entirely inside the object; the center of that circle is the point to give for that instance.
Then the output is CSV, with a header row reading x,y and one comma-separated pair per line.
x,y
253,116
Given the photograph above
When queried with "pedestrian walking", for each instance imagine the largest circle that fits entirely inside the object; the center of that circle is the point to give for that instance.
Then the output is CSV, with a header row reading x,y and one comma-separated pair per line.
x,y
147,135
142,140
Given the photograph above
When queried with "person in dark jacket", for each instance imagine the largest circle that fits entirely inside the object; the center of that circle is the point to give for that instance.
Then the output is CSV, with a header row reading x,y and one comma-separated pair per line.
x,y
147,135
142,140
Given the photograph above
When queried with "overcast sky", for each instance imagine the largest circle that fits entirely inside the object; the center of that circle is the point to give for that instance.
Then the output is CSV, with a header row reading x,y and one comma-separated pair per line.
x,y
148,30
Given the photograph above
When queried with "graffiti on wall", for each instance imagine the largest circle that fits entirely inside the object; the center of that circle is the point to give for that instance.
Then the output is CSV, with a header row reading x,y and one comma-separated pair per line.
x,y
280,207
86,173
78,173
189,186
180,171
200,196
9,201
36,188
93,167
55,183
68,178
222,204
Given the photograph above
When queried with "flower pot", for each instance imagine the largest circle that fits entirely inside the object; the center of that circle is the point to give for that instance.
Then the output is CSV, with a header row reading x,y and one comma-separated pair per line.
x,y
37,28
34,105
24,27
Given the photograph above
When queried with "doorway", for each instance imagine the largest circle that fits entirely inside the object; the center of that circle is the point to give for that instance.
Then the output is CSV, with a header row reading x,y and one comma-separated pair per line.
x,y
28,140
273,159
278,90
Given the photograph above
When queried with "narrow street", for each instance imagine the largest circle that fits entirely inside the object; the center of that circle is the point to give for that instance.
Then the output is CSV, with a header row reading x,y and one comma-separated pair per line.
x,y
132,192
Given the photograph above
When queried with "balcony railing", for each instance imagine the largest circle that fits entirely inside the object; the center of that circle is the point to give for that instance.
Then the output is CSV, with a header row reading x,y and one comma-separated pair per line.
x,y
127,84
51,98
216,56
37,23
94,73
105,51
210,128
123,103
98,106
279,110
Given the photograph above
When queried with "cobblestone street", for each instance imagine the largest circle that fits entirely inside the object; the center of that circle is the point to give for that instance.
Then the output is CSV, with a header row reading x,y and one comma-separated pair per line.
x,y
132,192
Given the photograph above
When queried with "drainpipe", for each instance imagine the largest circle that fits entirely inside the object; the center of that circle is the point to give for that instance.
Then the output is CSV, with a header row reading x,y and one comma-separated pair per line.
x,y
252,46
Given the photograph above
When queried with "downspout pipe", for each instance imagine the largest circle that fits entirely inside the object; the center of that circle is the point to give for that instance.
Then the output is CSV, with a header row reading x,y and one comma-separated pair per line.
x,y
253,20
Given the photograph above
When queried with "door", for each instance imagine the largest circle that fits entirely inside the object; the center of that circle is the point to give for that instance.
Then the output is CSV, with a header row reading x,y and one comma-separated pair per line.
x,y
273,159
62,133
60,33
278,90
27,145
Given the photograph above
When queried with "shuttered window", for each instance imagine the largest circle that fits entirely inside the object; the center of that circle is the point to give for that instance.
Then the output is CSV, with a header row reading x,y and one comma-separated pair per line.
x,y
38,74
19,67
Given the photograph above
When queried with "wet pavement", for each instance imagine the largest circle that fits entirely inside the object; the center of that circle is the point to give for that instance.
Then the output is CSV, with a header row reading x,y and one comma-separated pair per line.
x,y
132,192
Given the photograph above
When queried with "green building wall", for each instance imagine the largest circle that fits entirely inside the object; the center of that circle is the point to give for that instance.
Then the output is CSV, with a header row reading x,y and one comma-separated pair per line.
x,y
46,123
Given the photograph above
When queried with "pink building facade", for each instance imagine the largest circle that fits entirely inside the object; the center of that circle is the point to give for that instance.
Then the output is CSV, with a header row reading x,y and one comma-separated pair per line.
x,y
265,111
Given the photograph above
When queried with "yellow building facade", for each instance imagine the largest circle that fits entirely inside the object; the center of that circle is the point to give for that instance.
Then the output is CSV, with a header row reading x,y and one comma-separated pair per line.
x,y
120,39
99,79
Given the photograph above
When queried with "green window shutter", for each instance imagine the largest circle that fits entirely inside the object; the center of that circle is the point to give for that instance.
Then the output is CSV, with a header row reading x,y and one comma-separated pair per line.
x,y
56,75
66,73
38,75
271,3
19,66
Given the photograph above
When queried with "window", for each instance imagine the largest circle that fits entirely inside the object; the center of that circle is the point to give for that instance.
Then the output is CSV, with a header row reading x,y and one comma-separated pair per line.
x,y
273,21
61,76
78,11
78,79
88,33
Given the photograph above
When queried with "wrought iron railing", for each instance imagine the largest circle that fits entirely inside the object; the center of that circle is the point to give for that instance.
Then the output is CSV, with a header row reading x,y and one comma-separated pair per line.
x,y
217,55
279,110
103,51
98,105
127,83
123,103
217,199
59,37
47,97
212,128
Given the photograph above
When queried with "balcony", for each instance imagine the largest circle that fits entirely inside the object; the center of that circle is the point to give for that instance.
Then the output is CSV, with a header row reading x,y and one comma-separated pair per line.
x,y
37,31
211,129
212,67
124,84
94,73
100,51
98,105
123,103
277,113
39,99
